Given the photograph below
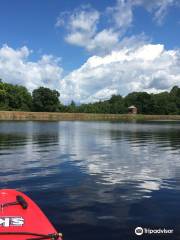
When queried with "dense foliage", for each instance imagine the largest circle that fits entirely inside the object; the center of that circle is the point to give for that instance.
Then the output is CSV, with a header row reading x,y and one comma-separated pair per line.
x,y
15,97
161,103
45,100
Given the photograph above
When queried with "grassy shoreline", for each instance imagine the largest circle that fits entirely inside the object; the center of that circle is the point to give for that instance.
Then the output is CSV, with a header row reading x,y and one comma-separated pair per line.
x,y
47,116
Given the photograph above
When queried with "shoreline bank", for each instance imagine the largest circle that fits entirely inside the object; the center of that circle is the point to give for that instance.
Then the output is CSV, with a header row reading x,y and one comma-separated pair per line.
x,y
49,116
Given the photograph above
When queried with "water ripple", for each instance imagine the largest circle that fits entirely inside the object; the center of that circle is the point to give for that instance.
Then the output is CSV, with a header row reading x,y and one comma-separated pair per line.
x,y
95,175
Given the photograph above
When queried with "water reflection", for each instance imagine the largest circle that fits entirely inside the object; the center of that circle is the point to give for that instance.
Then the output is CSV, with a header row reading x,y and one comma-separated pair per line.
x,y
113,153
117,153
96,173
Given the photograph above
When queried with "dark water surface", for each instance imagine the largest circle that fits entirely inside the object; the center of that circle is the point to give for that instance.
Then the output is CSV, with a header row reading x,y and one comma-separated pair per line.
x,y
97,180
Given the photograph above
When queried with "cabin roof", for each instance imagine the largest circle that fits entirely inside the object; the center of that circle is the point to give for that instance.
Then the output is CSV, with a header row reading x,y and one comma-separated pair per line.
x,y
131,107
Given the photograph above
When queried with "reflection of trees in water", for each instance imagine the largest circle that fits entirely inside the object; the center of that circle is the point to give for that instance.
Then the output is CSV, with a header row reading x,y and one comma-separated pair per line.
x,y
142,155
119,153
45,140
161,134
28,151
94,173
8,141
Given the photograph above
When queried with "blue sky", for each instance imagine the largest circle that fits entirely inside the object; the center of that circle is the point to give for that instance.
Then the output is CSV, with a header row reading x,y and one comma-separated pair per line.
x,y
89,50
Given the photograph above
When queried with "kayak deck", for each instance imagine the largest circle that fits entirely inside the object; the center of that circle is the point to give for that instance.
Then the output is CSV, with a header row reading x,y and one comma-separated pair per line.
x,y
22,219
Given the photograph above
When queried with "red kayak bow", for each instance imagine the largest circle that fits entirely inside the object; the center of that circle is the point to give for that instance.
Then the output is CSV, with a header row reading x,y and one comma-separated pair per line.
x,y
22,219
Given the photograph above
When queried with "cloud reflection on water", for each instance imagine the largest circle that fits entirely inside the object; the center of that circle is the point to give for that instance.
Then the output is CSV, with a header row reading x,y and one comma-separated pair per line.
x,y
141,155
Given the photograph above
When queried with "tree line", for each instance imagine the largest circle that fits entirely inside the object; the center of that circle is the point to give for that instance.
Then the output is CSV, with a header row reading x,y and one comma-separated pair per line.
x,y
18,98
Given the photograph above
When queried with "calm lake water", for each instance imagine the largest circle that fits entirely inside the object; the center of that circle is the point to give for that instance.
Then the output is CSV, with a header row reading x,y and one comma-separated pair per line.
x,y
97,180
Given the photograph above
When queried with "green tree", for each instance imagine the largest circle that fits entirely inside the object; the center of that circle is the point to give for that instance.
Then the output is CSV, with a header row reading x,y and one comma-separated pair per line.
x,y
72,107
19,98
14,97
175,97
45,100
117,104
163,104
142,100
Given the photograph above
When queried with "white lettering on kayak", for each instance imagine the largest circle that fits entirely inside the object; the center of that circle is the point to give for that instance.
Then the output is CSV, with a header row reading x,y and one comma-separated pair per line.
x,y
11,221
4,222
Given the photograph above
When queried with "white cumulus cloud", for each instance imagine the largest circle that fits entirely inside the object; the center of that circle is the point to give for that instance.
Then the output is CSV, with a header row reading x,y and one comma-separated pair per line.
x,y
158,8
82,24
148,67
16,68
82,30
121,13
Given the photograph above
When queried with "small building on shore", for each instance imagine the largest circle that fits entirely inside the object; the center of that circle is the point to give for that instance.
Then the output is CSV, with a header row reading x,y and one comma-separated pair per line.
x,y
132,110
